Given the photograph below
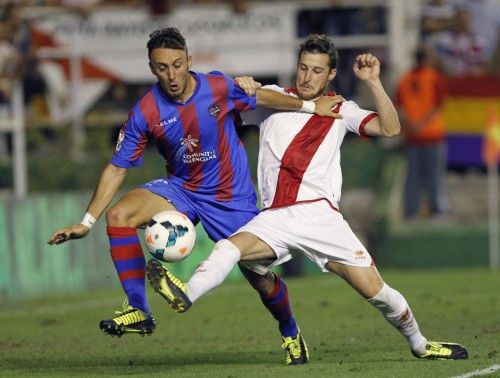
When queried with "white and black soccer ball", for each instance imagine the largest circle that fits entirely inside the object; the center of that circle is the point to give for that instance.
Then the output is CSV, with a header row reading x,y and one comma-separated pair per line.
x,y
170,236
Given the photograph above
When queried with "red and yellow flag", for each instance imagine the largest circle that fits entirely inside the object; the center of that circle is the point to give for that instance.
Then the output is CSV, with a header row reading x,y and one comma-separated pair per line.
x,y
491,143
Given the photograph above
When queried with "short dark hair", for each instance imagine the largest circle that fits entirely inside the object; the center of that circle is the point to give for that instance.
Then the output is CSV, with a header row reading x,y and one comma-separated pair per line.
x,y
320,44
170,38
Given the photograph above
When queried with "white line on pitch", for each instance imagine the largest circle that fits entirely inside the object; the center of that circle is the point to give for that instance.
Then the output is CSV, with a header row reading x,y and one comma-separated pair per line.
x,y
487,371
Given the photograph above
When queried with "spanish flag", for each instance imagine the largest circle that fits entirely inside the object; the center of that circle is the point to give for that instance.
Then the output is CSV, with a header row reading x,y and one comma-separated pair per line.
x,y
491,142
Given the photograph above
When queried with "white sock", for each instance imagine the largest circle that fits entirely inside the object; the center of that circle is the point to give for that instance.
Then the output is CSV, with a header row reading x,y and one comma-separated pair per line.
x,y
396,311
212,272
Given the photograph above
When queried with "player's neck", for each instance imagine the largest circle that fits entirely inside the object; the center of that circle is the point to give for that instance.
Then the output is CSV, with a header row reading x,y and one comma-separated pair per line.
x,y
190,88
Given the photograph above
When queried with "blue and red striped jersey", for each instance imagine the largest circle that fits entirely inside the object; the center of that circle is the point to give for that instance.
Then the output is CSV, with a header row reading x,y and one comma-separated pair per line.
x,y
197,139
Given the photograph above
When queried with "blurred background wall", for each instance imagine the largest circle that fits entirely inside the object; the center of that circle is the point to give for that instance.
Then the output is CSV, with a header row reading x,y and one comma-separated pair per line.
x,y
70,71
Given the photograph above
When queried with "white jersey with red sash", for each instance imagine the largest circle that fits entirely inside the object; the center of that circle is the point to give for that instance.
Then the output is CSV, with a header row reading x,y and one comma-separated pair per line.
x,y
299,155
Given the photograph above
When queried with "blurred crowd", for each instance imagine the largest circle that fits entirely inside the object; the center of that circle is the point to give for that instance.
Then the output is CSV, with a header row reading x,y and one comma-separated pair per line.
x,y
44,84
12,49
458,41
463,34
84,7
460,38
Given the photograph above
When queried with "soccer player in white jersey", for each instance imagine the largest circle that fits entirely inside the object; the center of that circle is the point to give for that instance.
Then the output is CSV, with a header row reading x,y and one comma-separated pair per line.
x,y
300,185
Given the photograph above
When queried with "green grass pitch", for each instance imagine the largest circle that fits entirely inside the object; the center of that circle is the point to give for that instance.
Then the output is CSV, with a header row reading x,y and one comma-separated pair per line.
x,y
229,334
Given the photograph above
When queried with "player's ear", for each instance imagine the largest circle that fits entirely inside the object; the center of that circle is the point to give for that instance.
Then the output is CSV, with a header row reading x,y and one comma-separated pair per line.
x,y
190,61
332,74
151,68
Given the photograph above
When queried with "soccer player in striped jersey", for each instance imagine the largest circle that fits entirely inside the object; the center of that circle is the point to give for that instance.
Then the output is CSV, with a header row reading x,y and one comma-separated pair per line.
x,y
189,116
300,185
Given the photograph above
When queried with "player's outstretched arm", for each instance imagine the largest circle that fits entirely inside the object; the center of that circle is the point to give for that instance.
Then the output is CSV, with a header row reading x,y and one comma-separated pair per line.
x,y
110,181
367,68
268,98
74,231
322,106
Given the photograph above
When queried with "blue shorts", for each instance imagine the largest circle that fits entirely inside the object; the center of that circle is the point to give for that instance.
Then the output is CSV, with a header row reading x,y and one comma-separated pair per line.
x,y
220,219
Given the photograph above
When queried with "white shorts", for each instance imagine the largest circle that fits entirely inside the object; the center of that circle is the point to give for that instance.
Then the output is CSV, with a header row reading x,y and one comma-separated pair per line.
x,y
314,229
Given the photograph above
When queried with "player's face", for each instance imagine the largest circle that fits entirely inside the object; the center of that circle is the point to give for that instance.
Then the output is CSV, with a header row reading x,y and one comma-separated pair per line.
x,y
313,75
171,68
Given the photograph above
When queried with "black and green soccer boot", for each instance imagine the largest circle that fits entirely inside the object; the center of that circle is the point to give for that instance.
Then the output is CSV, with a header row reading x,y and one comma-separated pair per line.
x,y
129,320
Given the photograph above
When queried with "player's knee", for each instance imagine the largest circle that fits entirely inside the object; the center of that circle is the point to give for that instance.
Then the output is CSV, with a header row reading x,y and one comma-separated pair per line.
x,y
116,216
264,284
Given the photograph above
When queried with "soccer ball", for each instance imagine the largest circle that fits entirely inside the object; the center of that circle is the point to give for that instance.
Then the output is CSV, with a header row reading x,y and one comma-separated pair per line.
x,y
170,236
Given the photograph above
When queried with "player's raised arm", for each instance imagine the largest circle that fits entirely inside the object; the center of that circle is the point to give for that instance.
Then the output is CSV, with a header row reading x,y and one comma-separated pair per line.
x,y
110,181
367,68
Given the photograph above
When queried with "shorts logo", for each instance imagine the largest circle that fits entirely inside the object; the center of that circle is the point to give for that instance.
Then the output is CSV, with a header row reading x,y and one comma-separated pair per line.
x,y
121,137
161,181
359,255
214,110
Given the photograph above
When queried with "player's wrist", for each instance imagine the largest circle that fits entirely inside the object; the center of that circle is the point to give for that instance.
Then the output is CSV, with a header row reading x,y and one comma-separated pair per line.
x,y
374,83
88,220
308,106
